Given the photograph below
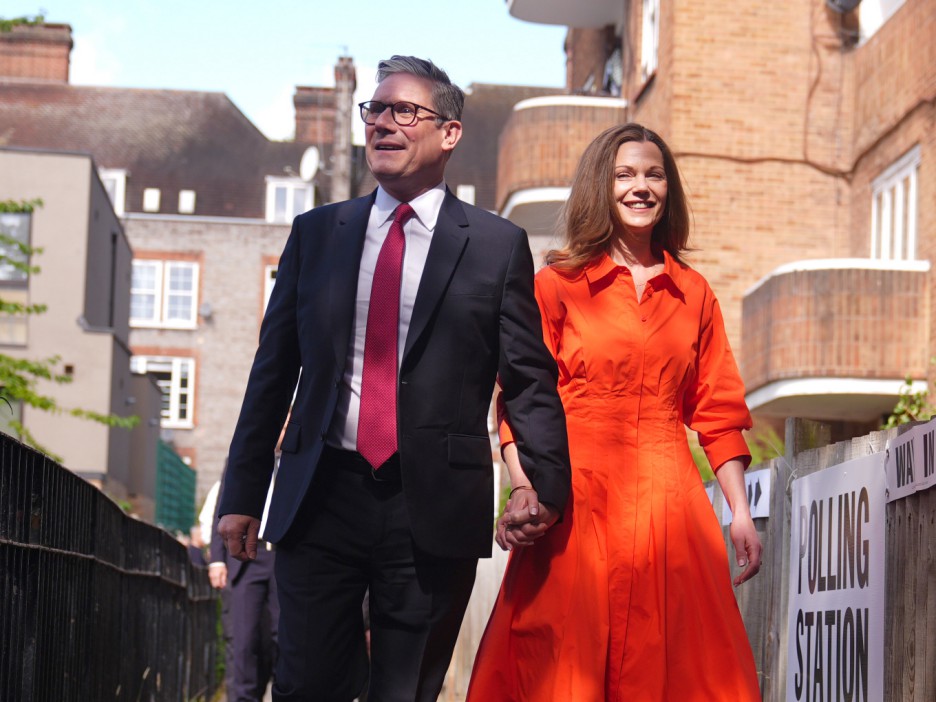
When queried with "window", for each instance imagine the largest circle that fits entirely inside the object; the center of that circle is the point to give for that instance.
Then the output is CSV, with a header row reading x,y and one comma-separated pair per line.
x,y
164,294
115,183
151,200
14,278
286,198
269,280
614,72
894,210
187,202
14,228
176,378
872,14
649,38
465,193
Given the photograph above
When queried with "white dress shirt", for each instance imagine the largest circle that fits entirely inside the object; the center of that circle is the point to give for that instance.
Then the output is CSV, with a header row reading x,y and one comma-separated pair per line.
x,y
417,233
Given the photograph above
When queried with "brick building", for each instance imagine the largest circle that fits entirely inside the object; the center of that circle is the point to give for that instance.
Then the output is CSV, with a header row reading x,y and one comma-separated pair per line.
x,y
805,133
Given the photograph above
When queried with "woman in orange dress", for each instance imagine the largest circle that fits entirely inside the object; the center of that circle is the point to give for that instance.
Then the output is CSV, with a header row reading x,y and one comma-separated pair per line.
x,y
628,597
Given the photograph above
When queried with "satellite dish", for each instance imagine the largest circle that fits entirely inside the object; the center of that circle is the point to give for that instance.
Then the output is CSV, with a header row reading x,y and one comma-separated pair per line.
x,y
842,6
308,165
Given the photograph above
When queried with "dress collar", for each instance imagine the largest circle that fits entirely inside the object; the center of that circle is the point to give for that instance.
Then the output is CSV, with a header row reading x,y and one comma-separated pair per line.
x,y
671,277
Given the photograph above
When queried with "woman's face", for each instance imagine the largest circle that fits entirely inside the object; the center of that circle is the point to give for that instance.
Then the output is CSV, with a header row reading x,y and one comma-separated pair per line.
x,y
639,186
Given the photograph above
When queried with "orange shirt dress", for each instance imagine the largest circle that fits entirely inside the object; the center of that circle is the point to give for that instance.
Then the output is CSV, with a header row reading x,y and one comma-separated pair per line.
x,y
629,597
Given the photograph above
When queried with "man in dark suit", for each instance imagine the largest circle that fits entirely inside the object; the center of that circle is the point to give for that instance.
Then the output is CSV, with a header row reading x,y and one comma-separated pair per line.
x,y
400,308
249,618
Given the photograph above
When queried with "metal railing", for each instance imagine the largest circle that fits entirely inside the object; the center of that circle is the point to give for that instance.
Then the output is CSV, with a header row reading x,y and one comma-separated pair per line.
x,y
94,605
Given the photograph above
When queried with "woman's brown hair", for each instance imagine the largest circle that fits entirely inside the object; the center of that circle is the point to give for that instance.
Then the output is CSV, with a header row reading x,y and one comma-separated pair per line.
x,y
589,216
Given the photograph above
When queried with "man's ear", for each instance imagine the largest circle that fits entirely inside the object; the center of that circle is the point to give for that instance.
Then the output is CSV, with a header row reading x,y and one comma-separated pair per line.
x,y
452,133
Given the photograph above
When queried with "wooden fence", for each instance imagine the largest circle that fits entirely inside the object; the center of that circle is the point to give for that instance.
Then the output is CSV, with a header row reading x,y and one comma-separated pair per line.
x,y
910,609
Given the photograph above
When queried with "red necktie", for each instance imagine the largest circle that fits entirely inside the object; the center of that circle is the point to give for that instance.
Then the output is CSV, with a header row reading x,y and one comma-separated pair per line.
x,y
377,422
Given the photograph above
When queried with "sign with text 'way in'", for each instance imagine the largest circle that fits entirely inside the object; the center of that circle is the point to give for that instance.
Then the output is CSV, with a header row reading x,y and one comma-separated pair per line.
x,y
836,626
910,462
757,485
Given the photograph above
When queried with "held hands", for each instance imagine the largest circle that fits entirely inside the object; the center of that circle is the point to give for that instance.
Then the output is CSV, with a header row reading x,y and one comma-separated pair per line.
x,y
239,532
524,520
747,546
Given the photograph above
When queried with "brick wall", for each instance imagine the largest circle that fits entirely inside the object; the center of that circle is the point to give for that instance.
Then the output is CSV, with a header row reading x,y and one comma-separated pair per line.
x,y
540,146
40,52
316,111
851,322
587,50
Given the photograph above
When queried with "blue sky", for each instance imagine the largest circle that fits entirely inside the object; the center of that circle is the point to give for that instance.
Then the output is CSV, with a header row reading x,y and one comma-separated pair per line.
x,y
258,51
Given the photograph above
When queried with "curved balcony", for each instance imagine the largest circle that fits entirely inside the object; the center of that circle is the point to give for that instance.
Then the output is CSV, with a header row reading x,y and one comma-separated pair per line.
x,y
834,339
539,149
585,13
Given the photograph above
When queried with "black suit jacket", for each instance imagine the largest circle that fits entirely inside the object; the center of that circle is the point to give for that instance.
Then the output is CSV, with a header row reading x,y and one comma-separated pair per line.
x,y
474,318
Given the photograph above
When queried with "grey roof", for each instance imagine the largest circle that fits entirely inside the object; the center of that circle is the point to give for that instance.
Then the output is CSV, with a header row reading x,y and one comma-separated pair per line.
x,y
166,139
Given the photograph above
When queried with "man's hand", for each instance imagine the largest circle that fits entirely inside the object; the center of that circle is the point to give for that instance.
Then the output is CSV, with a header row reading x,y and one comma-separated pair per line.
x,y
239,532
525,519
217,575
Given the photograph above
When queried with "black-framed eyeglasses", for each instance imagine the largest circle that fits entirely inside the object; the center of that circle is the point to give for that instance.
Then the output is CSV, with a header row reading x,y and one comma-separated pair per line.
x,y
404,113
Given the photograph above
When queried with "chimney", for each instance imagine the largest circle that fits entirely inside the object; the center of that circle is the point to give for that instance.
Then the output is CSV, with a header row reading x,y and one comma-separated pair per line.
x,y
345,84
315,115
39,52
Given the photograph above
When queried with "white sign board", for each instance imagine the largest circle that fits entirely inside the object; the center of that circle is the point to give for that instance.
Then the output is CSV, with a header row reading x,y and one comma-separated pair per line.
x,y
757,484
836,626
910,462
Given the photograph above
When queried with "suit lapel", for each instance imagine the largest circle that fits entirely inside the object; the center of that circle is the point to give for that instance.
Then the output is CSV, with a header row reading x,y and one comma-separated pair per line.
x,y
448,243
345,263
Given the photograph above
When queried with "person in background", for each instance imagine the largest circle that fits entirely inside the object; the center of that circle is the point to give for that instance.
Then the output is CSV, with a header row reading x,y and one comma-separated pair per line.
x,y
249,617
196,546
400,308
629,597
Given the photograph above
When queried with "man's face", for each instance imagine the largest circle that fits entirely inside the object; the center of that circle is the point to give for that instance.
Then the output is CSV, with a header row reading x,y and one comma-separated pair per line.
x,y
408,161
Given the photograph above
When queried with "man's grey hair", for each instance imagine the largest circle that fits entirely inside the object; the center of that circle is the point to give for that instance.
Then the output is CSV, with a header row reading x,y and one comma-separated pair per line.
x,y
447,97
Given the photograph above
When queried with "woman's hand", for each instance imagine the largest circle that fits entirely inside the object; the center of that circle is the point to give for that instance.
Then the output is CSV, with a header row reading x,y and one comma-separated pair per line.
x,y
747,545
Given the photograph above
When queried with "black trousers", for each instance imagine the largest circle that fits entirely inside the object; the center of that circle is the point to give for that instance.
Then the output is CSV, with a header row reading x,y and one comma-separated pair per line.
x,y
354,534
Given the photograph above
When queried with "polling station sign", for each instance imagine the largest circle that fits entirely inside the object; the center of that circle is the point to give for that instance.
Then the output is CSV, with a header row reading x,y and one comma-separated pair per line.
x,y
836,622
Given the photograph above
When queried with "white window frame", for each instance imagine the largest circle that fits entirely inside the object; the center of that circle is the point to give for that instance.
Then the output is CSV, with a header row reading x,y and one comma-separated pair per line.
x,y
14,283
894,226
466,193
162,293
269,280
151,198
649,38
186,202
118,198
292,186
872,14
172,390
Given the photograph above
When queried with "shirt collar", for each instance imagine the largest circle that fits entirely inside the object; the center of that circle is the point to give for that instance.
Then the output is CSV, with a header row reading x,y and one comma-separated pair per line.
x,y
427,206
604,265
